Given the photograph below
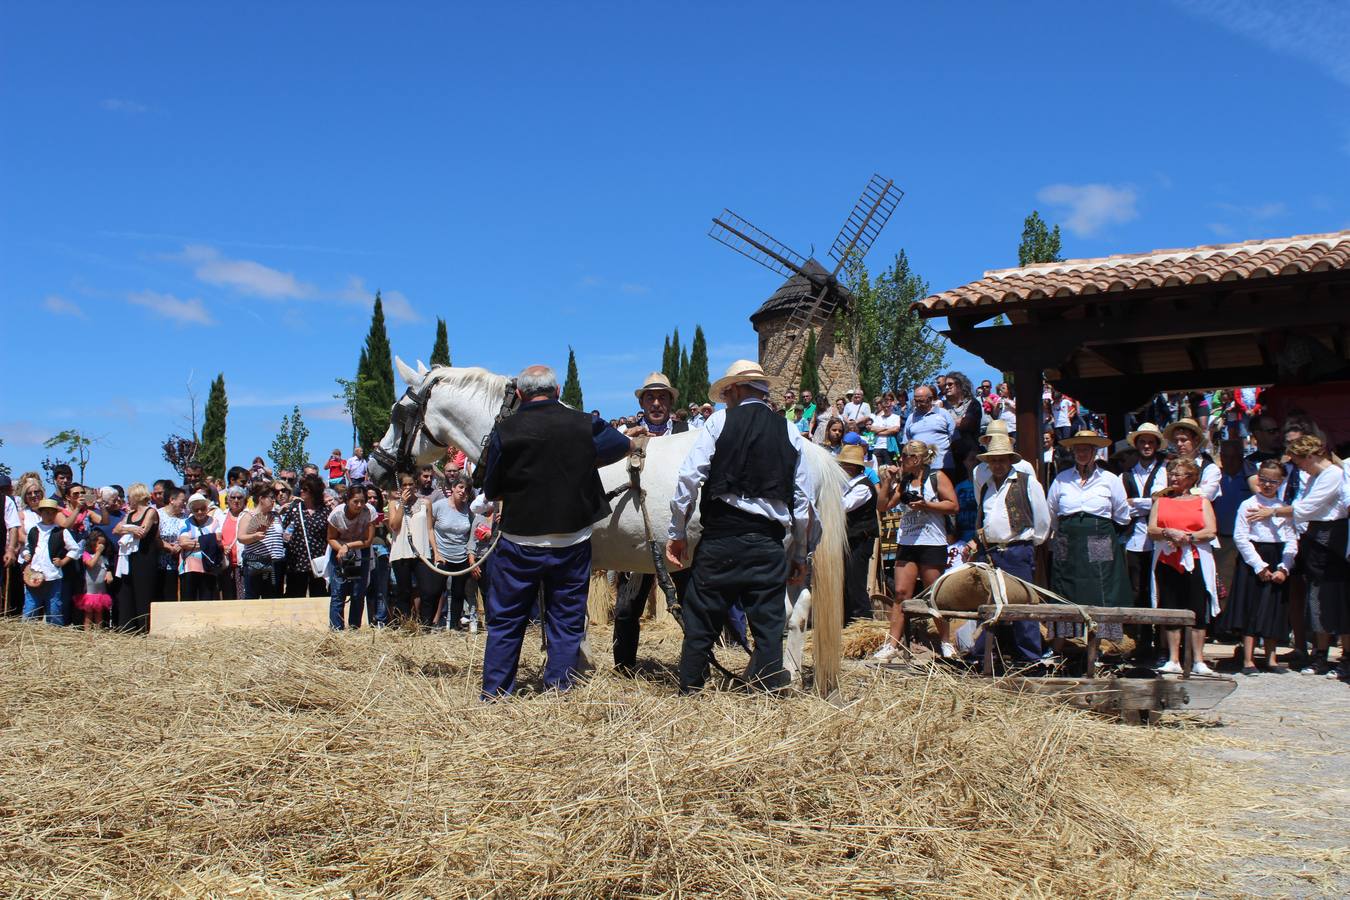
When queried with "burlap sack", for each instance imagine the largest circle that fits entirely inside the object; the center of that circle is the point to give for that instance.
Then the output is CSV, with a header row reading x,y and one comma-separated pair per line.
x,y
967,589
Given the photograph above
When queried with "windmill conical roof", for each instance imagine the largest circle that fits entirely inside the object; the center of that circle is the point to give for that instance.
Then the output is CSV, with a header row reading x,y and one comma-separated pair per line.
x,y
798,291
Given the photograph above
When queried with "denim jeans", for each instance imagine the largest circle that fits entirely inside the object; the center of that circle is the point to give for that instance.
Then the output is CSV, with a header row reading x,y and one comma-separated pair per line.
x,y
377,592
340,589
44,599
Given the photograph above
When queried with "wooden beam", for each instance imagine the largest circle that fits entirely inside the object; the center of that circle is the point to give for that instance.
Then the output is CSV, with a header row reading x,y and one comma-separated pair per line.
x,y
1124,359
1195,352
197,616
1102,615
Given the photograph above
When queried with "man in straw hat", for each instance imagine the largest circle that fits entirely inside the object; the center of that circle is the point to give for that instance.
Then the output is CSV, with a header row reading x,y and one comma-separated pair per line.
x,y
1012,518
860,510
748,464
1141,482
51,552
657,398
1188,440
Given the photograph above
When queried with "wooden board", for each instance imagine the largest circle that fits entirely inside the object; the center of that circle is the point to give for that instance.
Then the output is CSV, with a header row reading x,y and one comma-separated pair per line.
x,y
1059,612
1168,693
195,616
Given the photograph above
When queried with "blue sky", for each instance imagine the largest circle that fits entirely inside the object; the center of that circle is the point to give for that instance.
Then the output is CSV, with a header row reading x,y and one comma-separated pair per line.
x,y
186,191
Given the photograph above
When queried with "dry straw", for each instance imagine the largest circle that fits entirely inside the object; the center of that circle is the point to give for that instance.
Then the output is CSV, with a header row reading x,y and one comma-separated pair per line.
x,y
258,764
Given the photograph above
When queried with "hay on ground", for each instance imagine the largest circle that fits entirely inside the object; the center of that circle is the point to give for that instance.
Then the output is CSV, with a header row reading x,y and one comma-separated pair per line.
x,y
363,764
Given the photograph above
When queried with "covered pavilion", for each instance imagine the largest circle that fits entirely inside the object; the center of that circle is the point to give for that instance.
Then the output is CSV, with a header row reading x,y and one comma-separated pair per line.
x,y
1116,330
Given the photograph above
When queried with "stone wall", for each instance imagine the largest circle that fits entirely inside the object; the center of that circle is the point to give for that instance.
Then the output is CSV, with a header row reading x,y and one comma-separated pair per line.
x,y
780,353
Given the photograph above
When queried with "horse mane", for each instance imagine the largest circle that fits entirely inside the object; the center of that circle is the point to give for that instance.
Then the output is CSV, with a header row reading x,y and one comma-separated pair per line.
x,y
473,384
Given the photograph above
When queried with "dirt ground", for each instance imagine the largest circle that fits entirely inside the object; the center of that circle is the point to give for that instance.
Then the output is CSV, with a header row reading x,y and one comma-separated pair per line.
x,y
1291,733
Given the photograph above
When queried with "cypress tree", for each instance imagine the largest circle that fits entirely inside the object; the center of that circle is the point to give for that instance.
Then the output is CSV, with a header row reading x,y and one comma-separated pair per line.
x,y
696,380
682,385
666,365
440,351
211,453
375,381
673,370
810,377
571,389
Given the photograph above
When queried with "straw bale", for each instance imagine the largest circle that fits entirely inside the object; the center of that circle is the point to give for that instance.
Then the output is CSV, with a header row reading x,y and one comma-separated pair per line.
x,y
289,763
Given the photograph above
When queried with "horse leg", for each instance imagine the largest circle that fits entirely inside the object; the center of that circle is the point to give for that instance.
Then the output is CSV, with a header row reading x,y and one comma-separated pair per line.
x,y
798,612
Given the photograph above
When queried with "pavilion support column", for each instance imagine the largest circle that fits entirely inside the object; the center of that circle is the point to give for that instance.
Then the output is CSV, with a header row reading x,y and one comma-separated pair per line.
x,y
1027,384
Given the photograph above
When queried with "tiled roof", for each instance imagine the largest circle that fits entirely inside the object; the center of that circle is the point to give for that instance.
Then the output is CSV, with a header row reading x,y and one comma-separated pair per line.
x,y
1139,271
798,290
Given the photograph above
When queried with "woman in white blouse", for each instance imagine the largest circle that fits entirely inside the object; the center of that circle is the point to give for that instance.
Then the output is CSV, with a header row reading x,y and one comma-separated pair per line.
x,y
1087,507
1319,514
1258,604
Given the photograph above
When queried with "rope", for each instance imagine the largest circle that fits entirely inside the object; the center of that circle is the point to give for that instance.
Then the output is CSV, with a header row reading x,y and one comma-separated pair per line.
x,y
496,536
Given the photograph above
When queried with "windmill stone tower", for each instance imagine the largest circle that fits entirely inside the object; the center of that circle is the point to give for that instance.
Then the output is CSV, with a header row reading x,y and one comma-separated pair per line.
x,y
812,298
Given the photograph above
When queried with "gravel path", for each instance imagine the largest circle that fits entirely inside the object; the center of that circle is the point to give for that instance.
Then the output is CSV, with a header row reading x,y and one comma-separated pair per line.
x,y
1293,736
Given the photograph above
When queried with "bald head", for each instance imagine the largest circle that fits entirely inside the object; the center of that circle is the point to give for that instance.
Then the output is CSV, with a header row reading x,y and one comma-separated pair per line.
x,y
537,381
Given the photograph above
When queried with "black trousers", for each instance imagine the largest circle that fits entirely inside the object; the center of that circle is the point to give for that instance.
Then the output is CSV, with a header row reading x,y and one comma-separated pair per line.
x,y
857,602
198,586
138,589
400,606
304,584
430,587
1139,566
749,569
628,615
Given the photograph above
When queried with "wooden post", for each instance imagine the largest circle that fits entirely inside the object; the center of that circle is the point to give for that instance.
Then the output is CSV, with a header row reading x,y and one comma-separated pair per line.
x,y
1027,392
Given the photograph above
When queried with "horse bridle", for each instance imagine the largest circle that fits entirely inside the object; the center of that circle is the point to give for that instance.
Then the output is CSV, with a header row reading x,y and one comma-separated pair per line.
x,y
412,421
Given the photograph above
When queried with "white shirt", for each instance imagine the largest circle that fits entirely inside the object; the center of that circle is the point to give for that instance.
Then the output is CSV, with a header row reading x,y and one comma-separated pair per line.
x,y
696,422
922,527
1007,411
42,559
694,472
1139,541
879,422
997,529
1062,414
855,411
1275,530
13,518
1211,481
858,492
1103,496
1321,500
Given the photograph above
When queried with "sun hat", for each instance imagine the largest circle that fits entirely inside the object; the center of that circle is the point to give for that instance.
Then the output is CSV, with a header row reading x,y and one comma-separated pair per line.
x,y
198,496
995,426
999,445
853,455
657,381
1086,436
742,371
48,503
1148,429
1190,425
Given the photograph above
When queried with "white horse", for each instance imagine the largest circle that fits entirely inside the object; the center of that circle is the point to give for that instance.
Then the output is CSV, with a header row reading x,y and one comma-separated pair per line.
x,y
458,406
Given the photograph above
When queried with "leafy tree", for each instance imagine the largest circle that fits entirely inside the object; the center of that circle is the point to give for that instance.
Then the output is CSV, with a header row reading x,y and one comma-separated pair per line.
x,y
895,349
75,444
50,463
178,451
4,468
347,395
374,381
1039,243
696,379
682,384
440,351
665,357
810,377
571,389
671,365
211,453
288,447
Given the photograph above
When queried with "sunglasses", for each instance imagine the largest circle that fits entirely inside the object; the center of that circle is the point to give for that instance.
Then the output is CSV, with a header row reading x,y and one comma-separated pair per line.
x,y
1268,482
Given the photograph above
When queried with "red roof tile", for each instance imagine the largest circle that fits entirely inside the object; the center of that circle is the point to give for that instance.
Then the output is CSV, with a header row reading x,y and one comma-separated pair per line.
x,y
1139,271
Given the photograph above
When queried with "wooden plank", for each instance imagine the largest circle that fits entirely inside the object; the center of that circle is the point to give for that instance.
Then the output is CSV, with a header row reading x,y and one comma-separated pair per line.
x,y
1167,693
1059,612
919,609
196,616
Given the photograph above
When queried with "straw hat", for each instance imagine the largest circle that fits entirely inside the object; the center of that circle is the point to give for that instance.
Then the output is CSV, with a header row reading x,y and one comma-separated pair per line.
x,y
49,503
1190,425
1088,437
852,454
1148,429
999,445
995,426
741,371
198,498
657,381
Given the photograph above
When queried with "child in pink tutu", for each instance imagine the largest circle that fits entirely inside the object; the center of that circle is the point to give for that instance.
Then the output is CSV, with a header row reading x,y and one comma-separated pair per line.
x,y
95,601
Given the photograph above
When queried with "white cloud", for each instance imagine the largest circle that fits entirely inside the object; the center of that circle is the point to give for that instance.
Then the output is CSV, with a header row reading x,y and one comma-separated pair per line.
x,y
590,281
182,312
1312,30
634,289
1256,211
23,434
60,306
243,275
332,412
122,105
1220,229
397,307
1089,207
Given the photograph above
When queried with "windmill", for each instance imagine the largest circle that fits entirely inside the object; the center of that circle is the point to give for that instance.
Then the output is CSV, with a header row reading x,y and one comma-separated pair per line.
x,y
812,293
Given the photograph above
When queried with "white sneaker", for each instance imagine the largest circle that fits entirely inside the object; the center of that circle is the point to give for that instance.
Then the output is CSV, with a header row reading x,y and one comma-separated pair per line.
x,y
464,620
948,651
1170,668
473,626
886,652
1201,669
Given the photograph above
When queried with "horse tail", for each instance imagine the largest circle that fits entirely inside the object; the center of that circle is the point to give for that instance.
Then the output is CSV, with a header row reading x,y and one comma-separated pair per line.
x,y
827,569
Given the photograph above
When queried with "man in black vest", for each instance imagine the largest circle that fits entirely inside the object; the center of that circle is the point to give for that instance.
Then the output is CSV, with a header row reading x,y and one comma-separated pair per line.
x,y
860,510
748,461
541,464
1144,479
657,398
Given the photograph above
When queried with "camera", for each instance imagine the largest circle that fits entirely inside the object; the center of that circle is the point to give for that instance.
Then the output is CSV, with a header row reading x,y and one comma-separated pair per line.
x,y
350,565
909,496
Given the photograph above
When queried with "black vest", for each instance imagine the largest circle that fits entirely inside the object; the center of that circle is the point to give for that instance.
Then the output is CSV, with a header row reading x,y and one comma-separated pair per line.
x,y
546,473
1132,490
753,457
56,542
862,522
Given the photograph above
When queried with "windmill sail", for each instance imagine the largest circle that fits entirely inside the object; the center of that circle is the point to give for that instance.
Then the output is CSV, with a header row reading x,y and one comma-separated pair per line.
x,y
879,199
749,241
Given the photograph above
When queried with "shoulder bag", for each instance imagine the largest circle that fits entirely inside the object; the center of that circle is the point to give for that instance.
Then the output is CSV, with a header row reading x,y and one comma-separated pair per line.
x,y
318,565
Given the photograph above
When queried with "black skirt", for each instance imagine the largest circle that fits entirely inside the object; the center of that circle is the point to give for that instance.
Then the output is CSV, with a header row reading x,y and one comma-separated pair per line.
x,y
1183,590
1255,607
1321,556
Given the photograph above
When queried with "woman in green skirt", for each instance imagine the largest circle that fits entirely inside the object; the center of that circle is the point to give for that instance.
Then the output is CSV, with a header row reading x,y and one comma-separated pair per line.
x,y
1088,509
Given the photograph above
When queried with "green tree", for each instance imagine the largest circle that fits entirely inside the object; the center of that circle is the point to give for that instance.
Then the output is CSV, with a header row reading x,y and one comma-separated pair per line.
x,y
1039,243
211,453
4,467
374,381
666,365
697,377
810,377
571,389
895,349
347,395
440,351
75,444
288,447
682,385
